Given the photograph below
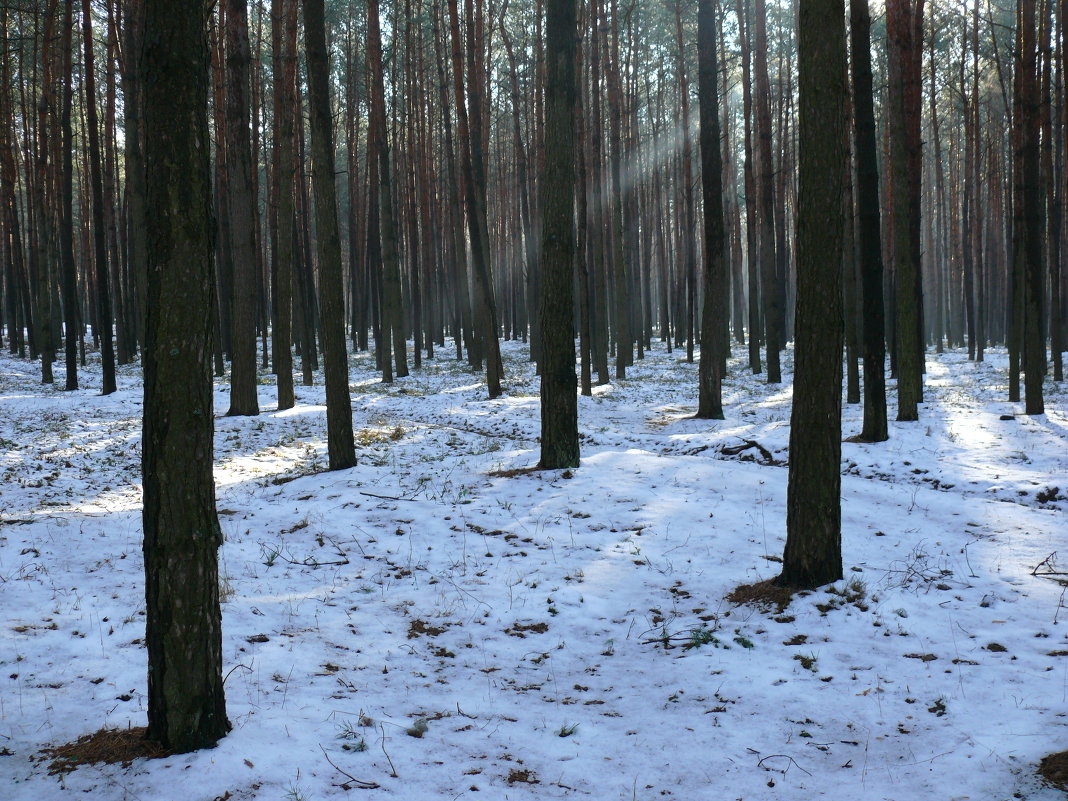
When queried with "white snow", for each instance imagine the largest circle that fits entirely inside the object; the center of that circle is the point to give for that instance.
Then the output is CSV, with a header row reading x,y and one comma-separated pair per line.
x,y
508,612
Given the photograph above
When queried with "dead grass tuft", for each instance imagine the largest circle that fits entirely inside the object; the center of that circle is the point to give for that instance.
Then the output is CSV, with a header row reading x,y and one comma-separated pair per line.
x,y
764,595
107,745
515,471
1054,769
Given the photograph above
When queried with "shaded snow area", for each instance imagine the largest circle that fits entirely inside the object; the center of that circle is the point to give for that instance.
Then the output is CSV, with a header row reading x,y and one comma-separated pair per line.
x,y
445,633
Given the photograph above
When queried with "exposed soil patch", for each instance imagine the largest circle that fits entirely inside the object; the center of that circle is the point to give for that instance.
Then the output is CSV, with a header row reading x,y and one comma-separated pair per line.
x,y
521,629
516,776
419,627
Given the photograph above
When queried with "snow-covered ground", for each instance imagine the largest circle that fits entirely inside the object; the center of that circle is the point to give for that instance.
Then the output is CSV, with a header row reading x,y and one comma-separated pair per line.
x,y
555,634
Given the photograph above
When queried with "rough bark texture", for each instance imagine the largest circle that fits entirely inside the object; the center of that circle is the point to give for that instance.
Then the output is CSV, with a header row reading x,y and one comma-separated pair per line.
x,y
341,446
1031,233
869,245
283,40
68,269
559,404
813,553
716,290
765,176
243,399
100,250
186,707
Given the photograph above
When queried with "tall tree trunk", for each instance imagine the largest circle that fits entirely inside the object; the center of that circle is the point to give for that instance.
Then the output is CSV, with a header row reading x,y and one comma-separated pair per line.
x,y
341,446
813,553
1030,232
68,268
559,406
133,35
765,223
284,64
471,163
900,44
186,703
393,341
103,280
714,335
869,245
240,208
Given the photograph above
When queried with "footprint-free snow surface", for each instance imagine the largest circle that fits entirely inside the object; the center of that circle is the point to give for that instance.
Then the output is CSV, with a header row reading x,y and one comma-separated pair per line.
x,y
438,623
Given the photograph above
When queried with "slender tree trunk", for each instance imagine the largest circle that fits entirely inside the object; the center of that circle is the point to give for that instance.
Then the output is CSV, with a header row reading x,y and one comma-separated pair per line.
x,y
68,268
766,200
1031,230
240,209
284,63
900,54
869,243
341,447
714,334
103,280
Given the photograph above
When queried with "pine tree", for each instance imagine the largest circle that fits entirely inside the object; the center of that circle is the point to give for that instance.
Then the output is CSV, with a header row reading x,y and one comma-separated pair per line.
x,y
186,705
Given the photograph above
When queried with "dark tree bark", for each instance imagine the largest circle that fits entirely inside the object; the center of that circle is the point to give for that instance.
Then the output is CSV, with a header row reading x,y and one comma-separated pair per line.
x,y
869,245
241,210
340,442
909,346
716,290
186,705
470,144
559,404
68,268
749,179
133,32
1031,230
284,64
100,249
813,553
392,341
771,292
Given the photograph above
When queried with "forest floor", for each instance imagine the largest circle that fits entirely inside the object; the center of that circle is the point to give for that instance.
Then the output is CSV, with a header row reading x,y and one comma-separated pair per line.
x,y
439,624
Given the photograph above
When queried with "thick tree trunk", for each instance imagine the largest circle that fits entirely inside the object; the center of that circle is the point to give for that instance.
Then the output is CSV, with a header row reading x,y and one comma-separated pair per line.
x,y
186,705
559,405
813,553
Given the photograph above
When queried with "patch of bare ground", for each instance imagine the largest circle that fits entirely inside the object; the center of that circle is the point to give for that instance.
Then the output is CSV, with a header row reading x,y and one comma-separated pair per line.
x,y
515,471
111,746
765,595
517,776
1054,769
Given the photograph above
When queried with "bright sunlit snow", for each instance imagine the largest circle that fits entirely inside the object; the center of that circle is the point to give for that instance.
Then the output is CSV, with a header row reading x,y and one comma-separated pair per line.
x,y
553,634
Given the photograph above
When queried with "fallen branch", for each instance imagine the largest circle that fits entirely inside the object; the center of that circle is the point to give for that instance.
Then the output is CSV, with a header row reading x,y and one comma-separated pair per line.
x,y
793,761
1050,563
386,497
734,450
352,780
